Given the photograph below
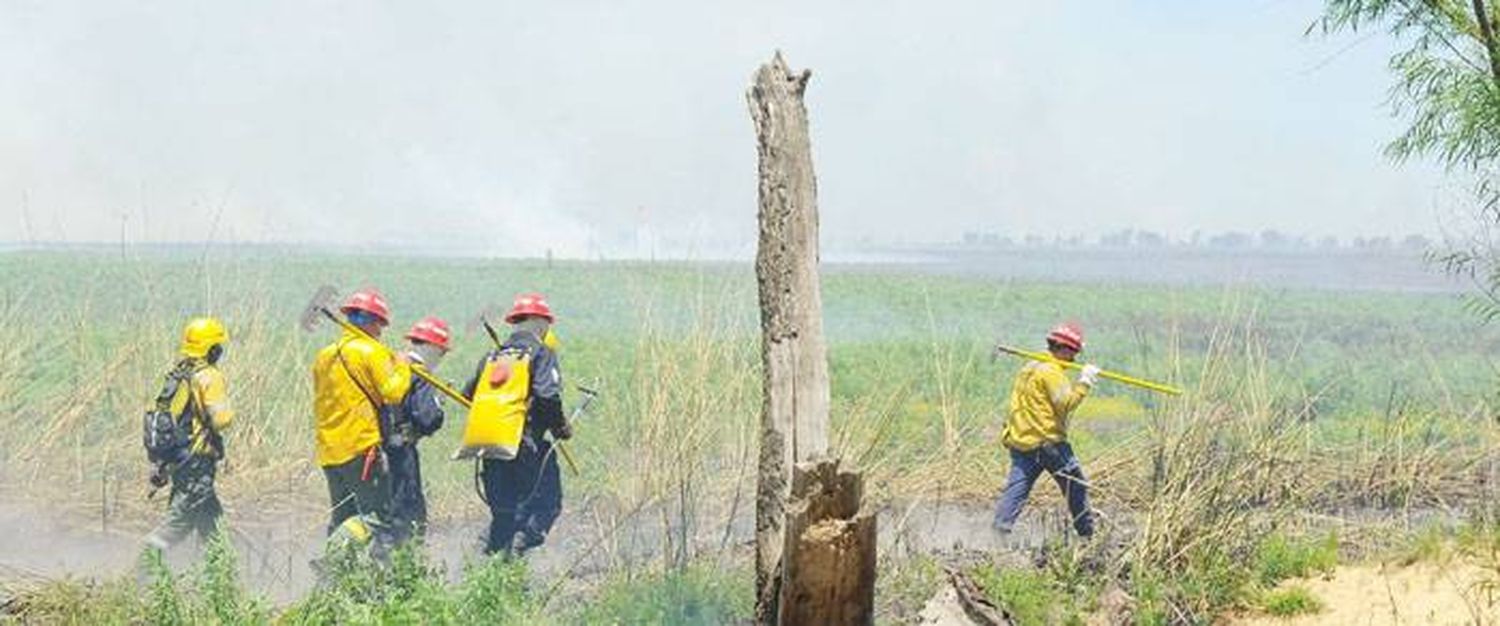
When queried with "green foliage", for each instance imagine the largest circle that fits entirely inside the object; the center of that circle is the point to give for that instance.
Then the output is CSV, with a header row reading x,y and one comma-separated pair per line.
x,y
1445,78
219,590
1152,605
904,586
1429,543
1448,85
165,603
1031,596
699,594
1281,557
209,594
1290,601
354,588
74,602
494,591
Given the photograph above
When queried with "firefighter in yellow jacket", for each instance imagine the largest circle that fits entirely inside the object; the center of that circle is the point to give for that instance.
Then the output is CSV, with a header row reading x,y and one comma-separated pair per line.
x,y
1036,432
356,383
184,435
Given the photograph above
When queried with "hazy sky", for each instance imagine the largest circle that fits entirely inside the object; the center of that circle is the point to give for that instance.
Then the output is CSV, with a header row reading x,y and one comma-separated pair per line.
x,y
522,126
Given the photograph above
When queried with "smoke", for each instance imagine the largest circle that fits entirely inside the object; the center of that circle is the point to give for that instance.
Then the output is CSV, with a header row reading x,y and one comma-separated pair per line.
x,y
604,129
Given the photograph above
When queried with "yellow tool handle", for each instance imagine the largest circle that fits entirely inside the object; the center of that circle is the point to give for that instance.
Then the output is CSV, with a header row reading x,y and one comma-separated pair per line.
x,y
567,456
1122,378
437,383
417,369
459,398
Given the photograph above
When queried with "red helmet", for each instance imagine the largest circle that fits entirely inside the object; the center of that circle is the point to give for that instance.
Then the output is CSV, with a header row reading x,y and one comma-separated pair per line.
x,y
369,301
431,330
1069,335
528,304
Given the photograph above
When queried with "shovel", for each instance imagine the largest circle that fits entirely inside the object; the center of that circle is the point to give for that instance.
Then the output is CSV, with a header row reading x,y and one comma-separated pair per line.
x,y
1120,378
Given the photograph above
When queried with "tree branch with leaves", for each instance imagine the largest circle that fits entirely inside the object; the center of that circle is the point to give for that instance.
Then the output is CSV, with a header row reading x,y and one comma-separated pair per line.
x,y
1448,87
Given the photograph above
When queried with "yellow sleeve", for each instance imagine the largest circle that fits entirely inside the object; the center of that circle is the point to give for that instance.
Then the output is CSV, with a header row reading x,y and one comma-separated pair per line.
x,y
390,374
1064,394
213,397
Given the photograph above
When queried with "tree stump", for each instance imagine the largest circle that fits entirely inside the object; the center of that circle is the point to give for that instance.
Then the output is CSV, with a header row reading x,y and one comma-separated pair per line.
x,y
829,565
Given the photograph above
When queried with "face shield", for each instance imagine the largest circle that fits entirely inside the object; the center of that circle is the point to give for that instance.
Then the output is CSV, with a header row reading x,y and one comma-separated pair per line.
x,y
429,354
537,326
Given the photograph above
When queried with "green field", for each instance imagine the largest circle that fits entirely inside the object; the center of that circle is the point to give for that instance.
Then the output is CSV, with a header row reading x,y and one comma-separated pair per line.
x,y
87,335
1392,391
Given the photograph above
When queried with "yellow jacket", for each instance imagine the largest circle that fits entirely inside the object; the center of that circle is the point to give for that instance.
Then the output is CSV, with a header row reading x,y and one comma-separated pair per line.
x,y
211,396
350,377
1040,402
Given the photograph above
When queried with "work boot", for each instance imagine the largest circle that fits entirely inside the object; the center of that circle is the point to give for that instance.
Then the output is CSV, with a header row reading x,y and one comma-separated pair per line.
x,y
527,541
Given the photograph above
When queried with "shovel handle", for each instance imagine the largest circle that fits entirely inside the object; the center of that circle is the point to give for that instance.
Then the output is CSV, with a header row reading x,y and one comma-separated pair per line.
x,y
1121,378
418,370
438,383
567,456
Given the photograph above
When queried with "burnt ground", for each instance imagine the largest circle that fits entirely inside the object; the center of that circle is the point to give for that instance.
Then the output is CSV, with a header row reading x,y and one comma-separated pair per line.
x,y
40,540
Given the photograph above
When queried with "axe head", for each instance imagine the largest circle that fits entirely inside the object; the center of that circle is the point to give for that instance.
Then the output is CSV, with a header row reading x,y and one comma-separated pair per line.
x,y
587,391
489,314
322,301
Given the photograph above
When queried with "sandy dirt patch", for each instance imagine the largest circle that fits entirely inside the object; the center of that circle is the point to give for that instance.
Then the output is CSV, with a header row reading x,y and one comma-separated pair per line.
x,y
1452,593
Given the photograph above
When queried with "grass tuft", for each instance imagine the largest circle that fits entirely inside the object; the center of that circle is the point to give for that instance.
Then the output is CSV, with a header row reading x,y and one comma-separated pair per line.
x,y
1290,601
1281,557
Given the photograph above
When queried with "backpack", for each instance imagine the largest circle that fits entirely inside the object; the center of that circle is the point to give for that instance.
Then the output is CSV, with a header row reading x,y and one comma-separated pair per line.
x,y
168,438
497,416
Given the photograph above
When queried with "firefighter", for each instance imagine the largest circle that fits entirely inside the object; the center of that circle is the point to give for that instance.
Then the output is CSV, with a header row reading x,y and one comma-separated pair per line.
x,y
419,415
522,499
357,384
1036,431
186,443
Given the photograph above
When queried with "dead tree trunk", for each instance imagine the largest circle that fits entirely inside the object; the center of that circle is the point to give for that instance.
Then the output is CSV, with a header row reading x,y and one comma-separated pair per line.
x,y
794,411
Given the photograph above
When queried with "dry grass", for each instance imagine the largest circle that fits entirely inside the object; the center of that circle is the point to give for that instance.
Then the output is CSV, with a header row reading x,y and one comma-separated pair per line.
x,y
667,460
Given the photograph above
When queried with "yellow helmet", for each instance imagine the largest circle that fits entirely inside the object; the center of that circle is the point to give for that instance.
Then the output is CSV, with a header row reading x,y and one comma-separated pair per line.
x,y
201,335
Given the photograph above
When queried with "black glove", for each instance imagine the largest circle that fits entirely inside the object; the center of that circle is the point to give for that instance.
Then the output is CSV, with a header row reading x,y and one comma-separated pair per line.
x,y
563,431
159,476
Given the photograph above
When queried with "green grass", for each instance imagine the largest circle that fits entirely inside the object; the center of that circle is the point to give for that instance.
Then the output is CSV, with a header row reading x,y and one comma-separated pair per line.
x,y
903,587
1290,602
1032,596
408,590
1281,557
1296,398
85,336
700,595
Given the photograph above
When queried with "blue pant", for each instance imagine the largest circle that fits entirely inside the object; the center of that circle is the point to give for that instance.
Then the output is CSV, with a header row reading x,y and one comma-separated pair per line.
x,y
524,495
1058,460
408,512
537,514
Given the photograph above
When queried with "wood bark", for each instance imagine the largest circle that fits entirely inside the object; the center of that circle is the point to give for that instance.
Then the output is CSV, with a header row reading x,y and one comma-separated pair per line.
x,y
829,561
1487,37
794,409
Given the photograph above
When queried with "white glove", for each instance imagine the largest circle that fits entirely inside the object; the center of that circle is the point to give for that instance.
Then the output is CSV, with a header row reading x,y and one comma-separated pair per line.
x,y
1089,375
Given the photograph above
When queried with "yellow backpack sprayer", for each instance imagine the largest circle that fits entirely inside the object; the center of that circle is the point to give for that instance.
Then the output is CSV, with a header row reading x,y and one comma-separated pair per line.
x,y
1115,376
520,374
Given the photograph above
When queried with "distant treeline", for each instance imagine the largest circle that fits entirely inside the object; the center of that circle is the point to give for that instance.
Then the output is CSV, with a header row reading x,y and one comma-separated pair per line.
x,y
1230,241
